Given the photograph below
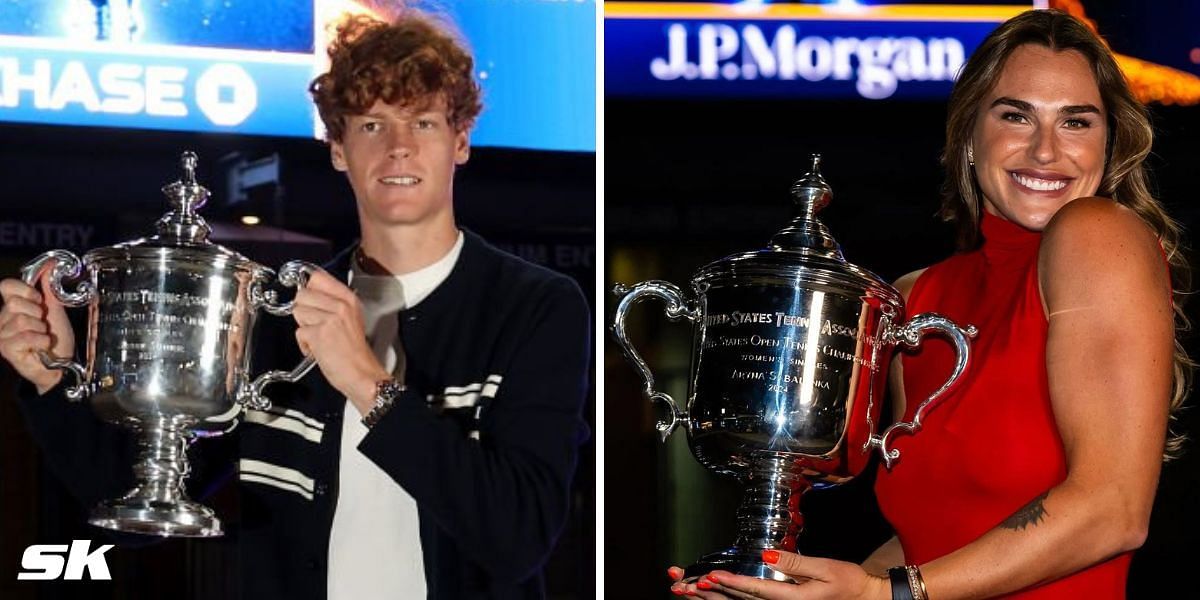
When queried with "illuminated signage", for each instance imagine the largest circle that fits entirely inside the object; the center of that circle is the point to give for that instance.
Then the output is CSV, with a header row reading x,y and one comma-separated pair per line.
x,y
156,87
876,65
806,50
245,67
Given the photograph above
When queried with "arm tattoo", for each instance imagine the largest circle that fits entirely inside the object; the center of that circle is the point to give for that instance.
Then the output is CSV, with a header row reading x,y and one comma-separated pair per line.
x,y
1029,515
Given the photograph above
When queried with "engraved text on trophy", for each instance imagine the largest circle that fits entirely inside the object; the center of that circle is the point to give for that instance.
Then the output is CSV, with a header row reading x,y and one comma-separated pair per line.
x,y
783,377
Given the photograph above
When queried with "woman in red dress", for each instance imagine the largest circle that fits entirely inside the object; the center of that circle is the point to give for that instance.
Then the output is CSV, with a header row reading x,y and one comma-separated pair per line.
x,y
1037,479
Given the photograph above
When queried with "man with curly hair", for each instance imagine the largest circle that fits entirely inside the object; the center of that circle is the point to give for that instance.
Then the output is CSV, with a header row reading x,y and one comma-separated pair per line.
x,y
432,456
460,369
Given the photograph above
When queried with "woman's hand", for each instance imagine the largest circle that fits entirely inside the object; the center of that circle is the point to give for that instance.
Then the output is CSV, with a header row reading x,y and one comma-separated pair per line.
x,y
697,587
819,578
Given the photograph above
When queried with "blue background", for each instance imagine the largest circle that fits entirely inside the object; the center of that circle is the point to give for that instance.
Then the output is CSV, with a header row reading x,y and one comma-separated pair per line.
x,y
538,57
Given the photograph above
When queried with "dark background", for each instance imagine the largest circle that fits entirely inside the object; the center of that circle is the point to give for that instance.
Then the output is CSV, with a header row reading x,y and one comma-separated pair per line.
x,y
690,181
539,205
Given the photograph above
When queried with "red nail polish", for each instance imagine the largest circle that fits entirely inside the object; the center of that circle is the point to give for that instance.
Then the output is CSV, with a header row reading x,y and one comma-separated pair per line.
x,y
770,556
713,578
677,591
704,585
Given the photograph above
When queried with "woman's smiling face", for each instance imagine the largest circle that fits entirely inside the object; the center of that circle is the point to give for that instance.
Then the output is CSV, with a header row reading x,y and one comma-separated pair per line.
x,y
1040,136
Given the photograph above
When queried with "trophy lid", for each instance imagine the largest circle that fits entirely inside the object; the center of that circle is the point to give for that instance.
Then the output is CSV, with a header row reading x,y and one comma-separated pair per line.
x,y
180,233
807,233
182,225
804,251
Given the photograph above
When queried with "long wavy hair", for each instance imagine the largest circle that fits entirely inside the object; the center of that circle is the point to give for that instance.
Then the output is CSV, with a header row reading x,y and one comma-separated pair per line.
x,y
1125,178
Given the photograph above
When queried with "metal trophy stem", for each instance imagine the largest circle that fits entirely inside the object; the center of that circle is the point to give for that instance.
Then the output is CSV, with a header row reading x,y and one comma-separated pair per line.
x,y
158,504
769,518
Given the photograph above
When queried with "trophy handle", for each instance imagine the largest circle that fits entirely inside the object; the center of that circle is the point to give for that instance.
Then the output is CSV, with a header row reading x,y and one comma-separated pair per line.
x,y
66,265
292,274
676,307
910,335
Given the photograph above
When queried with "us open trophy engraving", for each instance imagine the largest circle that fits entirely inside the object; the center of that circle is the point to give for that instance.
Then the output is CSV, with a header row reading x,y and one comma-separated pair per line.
x,y
791,348
168,351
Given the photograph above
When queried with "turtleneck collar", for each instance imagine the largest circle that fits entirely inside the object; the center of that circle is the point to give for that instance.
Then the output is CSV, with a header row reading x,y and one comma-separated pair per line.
x,y
1005,241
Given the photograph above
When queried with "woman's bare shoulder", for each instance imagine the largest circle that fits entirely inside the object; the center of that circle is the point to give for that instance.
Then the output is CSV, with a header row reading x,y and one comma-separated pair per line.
x,y
1094,244
1099,221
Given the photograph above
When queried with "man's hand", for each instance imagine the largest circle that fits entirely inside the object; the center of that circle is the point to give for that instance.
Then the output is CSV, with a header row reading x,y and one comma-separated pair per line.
x,y
31,321
332,331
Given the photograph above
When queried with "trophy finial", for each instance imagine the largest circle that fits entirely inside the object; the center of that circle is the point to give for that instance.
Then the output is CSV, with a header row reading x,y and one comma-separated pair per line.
x,y
187,195
189,160
182,224
810,195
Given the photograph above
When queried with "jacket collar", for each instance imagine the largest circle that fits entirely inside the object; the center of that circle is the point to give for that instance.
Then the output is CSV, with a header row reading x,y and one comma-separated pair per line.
x,y
469,263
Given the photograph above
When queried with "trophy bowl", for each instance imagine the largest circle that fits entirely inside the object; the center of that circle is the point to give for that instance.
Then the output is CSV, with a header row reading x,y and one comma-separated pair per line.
x,y
789,365
168,351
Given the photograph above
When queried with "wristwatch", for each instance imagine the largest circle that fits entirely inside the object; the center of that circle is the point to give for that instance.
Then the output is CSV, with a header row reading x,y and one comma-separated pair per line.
x,y
386,392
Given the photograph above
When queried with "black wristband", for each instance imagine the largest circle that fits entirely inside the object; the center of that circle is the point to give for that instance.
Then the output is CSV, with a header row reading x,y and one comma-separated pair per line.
x,y
899,578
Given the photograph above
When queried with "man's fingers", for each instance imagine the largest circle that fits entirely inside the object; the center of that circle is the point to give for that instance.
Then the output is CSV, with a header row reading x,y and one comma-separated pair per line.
x,y
21,323
25,299
302,341
37,341
346,307
307,315
321,280
326,284
24,306
314,298
30,340
337,303
15,288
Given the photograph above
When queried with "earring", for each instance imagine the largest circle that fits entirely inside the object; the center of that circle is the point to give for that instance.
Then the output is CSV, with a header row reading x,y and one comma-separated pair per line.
x,y
971,157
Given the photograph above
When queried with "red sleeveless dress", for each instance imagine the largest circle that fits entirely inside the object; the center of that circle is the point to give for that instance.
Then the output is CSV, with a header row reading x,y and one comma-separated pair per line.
x,y
992,446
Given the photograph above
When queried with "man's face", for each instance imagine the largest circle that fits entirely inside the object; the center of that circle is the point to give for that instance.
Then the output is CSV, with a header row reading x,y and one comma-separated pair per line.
x,y
400,162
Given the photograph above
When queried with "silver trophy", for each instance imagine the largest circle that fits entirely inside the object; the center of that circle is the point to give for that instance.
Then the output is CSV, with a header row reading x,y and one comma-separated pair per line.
x,y
168,351
791,350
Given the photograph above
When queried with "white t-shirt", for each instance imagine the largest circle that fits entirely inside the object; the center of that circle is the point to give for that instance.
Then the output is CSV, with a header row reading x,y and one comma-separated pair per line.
x,y
375,542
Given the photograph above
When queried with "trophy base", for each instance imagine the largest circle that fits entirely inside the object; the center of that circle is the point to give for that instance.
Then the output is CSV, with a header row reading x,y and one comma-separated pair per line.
x,y
739,561
154,517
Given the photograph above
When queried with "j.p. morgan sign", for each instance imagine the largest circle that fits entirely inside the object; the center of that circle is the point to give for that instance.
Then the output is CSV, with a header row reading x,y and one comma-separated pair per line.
x,y
740,55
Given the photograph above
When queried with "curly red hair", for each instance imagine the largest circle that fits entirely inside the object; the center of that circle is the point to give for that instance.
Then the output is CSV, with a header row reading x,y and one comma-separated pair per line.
x,y
411,61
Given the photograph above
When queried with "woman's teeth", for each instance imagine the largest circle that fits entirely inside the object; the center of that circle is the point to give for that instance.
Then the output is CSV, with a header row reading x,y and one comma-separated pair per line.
x,y
1041,185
